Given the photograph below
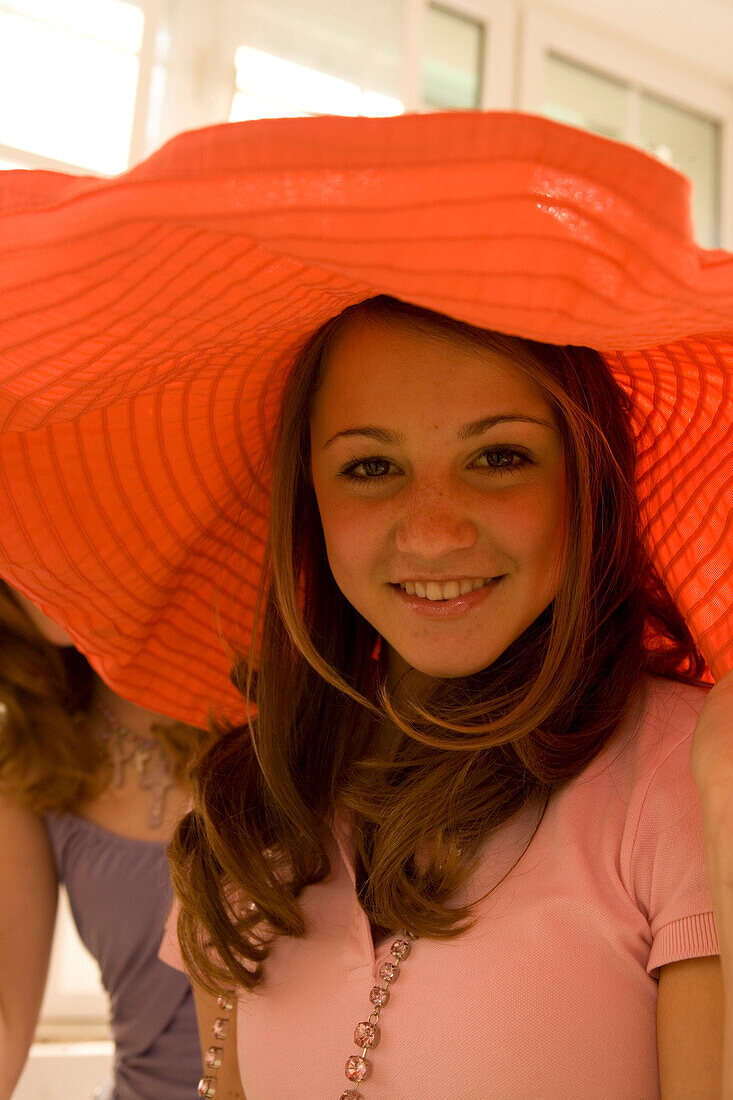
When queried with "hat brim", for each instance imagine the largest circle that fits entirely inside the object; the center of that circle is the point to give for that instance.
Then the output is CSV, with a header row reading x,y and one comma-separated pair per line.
x,y
147,321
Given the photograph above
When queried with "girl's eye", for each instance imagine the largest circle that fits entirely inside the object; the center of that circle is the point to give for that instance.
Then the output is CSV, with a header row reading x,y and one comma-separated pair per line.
x,y
367,469
375,468
502,452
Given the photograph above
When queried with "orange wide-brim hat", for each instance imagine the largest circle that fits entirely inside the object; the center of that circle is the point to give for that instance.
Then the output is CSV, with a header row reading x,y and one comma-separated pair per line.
x,y
147,322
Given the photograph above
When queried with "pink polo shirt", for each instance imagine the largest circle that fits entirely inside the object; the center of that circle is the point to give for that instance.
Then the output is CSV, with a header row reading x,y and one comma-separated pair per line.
x,y
552,995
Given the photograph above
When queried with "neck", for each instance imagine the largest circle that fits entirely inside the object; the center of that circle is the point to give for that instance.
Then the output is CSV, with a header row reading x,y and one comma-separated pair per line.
x,y
136,719
405,682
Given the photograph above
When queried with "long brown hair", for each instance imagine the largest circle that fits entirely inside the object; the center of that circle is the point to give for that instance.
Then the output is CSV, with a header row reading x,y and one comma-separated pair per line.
x,y
453,769
49,760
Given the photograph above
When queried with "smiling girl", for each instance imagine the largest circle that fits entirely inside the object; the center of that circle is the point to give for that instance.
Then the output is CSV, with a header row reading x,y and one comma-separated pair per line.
x,y
460,737
399,450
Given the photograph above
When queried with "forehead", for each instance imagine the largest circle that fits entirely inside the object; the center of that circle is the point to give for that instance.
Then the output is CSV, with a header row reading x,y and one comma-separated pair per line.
x,y
393,364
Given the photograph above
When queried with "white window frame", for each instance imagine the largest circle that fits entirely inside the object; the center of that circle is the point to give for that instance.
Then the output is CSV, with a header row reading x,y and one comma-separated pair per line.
x,y
500,20
612,55
153,12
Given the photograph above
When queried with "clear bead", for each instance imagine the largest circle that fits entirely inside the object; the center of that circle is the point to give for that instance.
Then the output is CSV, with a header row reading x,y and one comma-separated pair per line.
x,y
379,996
400,948
366,1034
220,1028
225,1002
213,1057
388,971
207,1086
350,1094
356,1067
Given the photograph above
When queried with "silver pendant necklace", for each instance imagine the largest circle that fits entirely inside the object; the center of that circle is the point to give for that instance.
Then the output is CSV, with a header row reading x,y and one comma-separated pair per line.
x,y
147,756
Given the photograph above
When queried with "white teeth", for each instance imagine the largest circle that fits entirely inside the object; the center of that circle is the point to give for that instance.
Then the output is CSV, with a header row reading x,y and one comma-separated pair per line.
x,y
443,590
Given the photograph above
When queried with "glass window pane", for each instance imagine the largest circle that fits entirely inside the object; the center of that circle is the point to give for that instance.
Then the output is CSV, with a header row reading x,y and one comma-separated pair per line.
x,y
72,98
376,105
112,21
246,107
452,64
272,87
359,42
691,143
264,75
581,97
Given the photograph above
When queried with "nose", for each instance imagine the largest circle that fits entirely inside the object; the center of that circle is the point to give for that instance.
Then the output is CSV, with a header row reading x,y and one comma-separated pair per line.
x,y
433,524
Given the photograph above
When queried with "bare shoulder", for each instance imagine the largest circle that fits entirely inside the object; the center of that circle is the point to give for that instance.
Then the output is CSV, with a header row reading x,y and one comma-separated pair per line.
x,y
690,1029
26,864
24,837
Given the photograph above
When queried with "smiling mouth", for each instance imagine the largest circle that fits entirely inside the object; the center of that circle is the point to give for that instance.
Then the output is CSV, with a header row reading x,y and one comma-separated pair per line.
x,y
444,590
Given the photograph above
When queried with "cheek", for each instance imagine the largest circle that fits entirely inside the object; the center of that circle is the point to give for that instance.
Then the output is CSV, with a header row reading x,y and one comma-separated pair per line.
x,y
544,529
529,528
543,523
352,539
523,516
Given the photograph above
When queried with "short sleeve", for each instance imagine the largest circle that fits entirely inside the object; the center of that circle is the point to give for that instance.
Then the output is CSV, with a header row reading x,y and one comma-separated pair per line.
x,y
668,871
170,951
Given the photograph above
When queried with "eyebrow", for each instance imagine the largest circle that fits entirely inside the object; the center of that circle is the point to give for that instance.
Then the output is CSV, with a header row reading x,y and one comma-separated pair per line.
x,y
467,431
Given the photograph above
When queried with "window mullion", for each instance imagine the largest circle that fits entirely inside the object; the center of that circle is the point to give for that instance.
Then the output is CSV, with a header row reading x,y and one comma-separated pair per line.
x,y
413,44
633,113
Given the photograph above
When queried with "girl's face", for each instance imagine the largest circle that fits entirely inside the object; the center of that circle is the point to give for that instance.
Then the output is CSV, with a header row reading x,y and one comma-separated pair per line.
x,y
443,528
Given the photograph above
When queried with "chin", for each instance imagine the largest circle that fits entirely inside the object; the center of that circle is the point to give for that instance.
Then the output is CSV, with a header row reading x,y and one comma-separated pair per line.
x,y
453,670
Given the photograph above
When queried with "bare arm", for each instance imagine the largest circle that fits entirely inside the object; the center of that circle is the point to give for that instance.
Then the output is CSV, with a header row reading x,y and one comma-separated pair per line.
x,y
229,1086
27,916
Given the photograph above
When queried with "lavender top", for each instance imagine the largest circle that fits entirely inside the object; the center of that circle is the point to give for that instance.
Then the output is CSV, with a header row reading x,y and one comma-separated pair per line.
x,y
120,892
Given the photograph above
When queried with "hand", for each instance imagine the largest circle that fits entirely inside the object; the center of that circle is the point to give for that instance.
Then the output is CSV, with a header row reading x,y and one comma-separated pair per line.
x,y
711,754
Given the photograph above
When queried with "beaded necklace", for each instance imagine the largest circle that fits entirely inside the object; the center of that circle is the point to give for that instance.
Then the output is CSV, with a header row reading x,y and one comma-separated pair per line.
x,y
366,1034
215,1054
